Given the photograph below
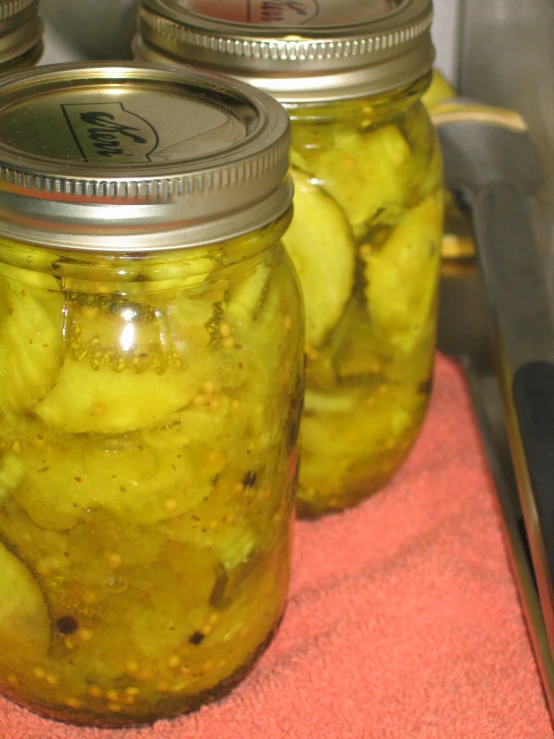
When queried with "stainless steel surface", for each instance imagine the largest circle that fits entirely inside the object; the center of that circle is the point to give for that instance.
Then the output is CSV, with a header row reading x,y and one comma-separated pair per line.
x,y
495,167
20,28
487,403
507,59
305,51
131,157
496,170
465,332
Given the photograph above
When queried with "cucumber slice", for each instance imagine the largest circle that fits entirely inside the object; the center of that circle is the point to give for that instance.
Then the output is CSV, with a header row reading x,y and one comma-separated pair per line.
x,y
319,243
31,344
360,170
335,445
261,322
174,274
12,470
123,475
138,277
24,621
402,276
315,402
36,271
127,364
246,299
102,401
356,355
219,524
217,429
193,425
422,174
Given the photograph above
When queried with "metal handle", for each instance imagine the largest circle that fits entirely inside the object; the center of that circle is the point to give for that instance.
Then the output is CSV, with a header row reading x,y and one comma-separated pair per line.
x,y
533,394
515,285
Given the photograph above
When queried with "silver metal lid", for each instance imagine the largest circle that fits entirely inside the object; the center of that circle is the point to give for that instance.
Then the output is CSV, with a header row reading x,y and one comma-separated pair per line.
x,y
20,28
297,50
133,157
9,8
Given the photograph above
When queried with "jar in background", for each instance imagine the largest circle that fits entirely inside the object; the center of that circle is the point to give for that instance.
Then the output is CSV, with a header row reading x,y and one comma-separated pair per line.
x,y
151,359
20,35
365,238
439,89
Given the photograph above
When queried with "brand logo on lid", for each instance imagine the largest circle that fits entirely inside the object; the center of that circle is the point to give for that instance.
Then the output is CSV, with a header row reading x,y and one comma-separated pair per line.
x,y
291,14
107,132
262,12
287,12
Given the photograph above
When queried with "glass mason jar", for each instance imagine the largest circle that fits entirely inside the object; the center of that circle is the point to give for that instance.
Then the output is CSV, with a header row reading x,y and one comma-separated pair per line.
x,y
365,238
151,361
20,35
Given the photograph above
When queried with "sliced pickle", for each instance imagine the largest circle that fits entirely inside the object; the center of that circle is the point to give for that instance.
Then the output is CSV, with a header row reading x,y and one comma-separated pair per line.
x,y
127,364
245,511
327,451
319,242
34,271
124,475
355,354
335,443
433,173
213,427
438,90
24,621
338,402
259,329
402,275
359,170
103,401
134,277
219,523
100,546
12,470
34,544
197,423
253,325
31,343
422,173
228,537
247,298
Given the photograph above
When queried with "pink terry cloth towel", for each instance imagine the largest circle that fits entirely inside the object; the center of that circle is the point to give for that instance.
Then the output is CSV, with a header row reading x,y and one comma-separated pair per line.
x,y
403,619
